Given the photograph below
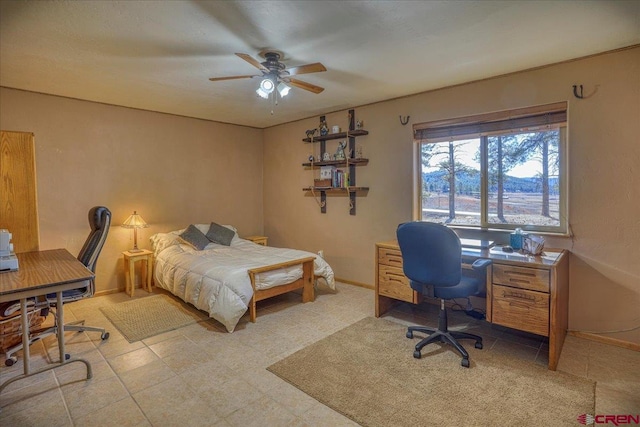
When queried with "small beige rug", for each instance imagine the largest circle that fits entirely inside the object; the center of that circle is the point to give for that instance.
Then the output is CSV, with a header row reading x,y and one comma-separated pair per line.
x,y
367,372
145,317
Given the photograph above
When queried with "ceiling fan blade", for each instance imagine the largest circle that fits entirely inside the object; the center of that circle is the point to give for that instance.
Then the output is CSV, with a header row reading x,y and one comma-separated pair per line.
x,y
252,61
305,86
215,79
316,67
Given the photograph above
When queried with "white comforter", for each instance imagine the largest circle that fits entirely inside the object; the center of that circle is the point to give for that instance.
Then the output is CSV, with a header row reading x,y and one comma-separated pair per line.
x,y
215,279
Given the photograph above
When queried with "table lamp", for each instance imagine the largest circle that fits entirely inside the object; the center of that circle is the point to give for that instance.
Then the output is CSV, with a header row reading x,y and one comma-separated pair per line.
x,y
135,221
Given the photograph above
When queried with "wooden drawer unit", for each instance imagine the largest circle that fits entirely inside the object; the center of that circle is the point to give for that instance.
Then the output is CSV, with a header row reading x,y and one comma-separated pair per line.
x,y
534,279
390,257
521,309
393,283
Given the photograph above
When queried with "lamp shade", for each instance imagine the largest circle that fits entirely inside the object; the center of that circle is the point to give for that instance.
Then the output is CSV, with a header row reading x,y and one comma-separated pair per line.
x,y
135,221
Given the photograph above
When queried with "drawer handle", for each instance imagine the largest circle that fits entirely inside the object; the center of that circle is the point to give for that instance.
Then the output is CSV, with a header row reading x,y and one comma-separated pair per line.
x,y
396,277
518,296
521,273
511,279
519,304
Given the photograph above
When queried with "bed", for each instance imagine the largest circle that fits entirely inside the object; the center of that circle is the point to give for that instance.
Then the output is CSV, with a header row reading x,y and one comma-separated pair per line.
x,y
225,281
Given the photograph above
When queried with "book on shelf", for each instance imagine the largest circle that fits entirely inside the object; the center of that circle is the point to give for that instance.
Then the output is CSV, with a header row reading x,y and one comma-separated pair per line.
x,y
330,177
340,179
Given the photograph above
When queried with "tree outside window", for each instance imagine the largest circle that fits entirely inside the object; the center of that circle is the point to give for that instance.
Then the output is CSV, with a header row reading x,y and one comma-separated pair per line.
x,y
505,179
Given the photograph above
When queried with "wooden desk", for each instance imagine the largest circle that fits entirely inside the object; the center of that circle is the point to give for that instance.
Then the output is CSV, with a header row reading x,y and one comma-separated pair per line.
x,y
524,292
41,273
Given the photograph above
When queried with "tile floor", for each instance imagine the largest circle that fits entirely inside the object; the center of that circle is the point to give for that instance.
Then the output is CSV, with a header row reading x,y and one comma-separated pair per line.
x,y
201,375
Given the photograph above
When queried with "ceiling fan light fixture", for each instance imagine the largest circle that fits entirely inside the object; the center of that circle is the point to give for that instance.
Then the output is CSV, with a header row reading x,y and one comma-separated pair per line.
x,y
283,89
275,75
267,85
261,93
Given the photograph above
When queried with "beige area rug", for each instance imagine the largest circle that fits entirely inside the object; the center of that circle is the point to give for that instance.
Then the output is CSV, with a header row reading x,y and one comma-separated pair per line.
x,y
145,317
367,372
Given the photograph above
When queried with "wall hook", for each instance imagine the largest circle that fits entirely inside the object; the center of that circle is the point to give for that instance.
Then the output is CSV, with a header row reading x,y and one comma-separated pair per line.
x,y
405,120
575,92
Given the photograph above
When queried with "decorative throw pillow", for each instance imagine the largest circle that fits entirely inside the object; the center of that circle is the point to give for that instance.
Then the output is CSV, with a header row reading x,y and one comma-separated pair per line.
x,y
220,234
195,237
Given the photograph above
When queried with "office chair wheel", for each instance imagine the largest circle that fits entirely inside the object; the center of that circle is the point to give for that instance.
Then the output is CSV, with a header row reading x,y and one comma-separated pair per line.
x,y
465,363
409,334
10,360
104,336
479,345
417,354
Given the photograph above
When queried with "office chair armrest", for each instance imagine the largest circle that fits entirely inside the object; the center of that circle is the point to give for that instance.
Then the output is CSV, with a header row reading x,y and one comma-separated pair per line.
x,y
481,264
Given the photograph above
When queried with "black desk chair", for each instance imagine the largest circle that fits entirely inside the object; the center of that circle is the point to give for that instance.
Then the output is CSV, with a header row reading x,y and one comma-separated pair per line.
x,y
432,256
99,221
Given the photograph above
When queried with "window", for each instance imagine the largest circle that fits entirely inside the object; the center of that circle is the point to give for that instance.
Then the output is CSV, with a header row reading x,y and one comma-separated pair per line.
x,y
501,170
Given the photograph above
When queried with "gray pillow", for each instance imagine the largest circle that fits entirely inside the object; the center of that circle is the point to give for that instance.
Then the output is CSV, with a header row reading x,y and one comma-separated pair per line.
x,y
195,237
219,234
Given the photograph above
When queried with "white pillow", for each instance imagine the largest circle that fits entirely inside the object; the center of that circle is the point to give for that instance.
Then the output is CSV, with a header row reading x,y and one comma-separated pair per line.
x,y
161,241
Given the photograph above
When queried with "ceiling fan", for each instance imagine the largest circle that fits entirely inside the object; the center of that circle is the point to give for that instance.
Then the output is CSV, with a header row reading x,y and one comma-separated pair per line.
x,y
275,74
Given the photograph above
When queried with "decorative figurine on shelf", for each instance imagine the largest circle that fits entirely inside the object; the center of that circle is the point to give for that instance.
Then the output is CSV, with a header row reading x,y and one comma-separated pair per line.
x,y
359,152
359,124
311,132
340,150
311,158
324,128
326,157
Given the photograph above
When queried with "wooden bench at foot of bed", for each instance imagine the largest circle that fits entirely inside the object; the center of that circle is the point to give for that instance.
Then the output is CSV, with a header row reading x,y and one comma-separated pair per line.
x,y
305,283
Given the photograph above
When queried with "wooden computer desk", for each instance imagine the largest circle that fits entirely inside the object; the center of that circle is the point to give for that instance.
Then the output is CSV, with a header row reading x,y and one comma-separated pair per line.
x,y
41,273
524,292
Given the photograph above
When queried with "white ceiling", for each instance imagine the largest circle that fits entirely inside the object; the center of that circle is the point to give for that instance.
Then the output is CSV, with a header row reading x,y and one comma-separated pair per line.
x,y
159,55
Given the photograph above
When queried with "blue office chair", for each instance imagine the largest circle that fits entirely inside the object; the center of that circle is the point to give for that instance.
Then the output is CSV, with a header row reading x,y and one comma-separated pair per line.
x,y
432,256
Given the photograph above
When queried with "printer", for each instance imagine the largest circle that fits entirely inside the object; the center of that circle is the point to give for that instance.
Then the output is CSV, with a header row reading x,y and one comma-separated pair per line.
x,y
8,259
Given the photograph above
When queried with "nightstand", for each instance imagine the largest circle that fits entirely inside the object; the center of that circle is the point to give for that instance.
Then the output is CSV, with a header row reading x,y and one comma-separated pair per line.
x,y
260,240
146,271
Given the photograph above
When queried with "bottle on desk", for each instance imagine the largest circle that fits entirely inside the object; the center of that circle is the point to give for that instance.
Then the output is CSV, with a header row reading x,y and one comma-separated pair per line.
x,y
516,239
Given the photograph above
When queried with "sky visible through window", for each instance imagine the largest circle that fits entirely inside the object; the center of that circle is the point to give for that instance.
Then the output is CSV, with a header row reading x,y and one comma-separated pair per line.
x,y
522,180
466,154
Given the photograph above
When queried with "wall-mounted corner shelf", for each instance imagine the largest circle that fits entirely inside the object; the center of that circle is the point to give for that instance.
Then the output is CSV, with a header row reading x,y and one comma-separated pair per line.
x,y
357,162
339,135
351,190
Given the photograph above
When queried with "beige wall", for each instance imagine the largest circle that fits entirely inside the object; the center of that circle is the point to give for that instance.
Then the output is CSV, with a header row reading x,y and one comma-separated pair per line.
x,y
173,170
177,170
604,146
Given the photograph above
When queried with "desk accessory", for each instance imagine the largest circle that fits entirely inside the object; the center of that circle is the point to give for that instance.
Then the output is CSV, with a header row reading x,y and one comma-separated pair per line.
x,y
8,259
533,244
476,243
516,239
